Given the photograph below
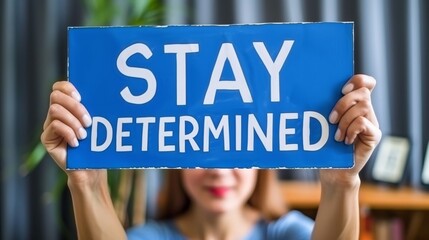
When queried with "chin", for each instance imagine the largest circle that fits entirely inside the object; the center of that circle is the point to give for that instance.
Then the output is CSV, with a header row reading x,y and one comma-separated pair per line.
x,y
219,208
217,211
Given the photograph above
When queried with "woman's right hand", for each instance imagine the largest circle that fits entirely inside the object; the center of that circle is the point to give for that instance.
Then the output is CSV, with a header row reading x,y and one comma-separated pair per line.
x,y
65,124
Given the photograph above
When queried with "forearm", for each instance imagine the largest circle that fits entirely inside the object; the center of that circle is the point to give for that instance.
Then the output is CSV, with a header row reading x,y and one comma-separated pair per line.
x,y
94,213
338,213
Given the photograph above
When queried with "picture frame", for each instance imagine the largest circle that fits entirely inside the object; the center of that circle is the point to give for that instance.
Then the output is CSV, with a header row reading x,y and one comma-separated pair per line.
x,y
425,169
391,160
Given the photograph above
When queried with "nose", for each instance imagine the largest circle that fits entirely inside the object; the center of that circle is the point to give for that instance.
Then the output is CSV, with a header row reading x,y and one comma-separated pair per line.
x,y
219,171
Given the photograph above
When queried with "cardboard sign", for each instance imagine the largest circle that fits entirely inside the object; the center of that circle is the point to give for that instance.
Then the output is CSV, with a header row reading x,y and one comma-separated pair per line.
x,y
236,96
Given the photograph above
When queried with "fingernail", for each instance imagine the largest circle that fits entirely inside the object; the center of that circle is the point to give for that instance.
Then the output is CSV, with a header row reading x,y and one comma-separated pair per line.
x,y
76,96
338,135
82,133
348,88
333,117
86,120
347,141
75,143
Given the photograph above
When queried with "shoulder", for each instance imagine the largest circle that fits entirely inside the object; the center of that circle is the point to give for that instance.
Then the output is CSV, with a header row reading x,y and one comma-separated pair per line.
x,y
293,225
154,230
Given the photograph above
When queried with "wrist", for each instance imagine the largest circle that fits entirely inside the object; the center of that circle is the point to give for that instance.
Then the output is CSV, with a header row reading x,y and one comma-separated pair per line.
x,y
92,180
339,179
90,192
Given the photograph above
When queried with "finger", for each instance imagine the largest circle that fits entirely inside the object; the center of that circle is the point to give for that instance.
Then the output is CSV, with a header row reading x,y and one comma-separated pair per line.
x,y
67,88
56,132
57,111
365,130
361,109
359,81
71,105
348,101
365,136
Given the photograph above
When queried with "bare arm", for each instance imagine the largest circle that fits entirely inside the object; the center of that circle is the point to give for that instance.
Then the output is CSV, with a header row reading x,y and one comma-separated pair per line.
x,y
338,214
94,213
65,124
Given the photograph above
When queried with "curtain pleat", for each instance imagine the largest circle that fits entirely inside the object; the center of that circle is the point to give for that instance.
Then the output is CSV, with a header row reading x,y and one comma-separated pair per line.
x,y
414,80
9,179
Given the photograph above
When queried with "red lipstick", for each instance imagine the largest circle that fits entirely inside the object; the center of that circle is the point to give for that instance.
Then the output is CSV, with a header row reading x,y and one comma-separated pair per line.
x,y
218,192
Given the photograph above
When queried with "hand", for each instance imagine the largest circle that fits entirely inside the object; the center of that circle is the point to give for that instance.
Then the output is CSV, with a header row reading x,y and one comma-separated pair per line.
x,y
357,124
65,124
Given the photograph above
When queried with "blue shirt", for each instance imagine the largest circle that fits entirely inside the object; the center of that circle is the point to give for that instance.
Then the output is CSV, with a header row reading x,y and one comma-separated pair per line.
x,y
293,226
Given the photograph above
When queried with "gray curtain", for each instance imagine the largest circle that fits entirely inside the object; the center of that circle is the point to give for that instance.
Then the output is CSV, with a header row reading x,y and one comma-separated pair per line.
x,y
33,50
390,44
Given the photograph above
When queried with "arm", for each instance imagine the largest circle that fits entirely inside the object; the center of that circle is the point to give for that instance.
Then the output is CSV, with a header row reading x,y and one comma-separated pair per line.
x,y
94,213
65,124
338,214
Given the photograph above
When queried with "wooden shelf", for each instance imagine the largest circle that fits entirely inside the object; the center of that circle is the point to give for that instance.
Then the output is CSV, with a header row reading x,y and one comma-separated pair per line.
x,y
306,196
299,194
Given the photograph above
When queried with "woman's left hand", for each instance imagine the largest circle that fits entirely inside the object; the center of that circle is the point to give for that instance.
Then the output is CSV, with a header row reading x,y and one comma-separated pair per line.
x,y
358,125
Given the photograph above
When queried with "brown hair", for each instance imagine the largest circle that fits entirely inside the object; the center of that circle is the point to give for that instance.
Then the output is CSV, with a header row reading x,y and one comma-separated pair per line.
x,y
266,197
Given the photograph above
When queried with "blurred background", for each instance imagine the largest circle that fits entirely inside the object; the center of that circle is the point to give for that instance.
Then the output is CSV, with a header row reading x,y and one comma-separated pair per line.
x,y
391,39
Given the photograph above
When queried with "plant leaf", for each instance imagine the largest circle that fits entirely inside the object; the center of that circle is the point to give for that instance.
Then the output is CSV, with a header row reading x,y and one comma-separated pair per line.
x,y
33,159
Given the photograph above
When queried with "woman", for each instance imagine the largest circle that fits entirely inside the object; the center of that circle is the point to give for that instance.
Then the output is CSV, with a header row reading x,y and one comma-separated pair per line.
x,y
220,203
246,201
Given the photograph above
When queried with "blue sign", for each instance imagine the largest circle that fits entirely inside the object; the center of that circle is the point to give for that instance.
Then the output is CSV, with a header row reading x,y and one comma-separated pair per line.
x,y
236,96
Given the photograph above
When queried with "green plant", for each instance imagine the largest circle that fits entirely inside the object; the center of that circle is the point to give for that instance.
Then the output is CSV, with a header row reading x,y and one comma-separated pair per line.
x,y
131,12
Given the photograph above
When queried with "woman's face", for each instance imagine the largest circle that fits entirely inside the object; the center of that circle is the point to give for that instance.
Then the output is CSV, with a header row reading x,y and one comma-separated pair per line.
x,y
219,190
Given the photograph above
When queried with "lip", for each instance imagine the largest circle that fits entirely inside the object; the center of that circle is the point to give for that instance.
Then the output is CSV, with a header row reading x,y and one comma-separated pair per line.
x,y
219,192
